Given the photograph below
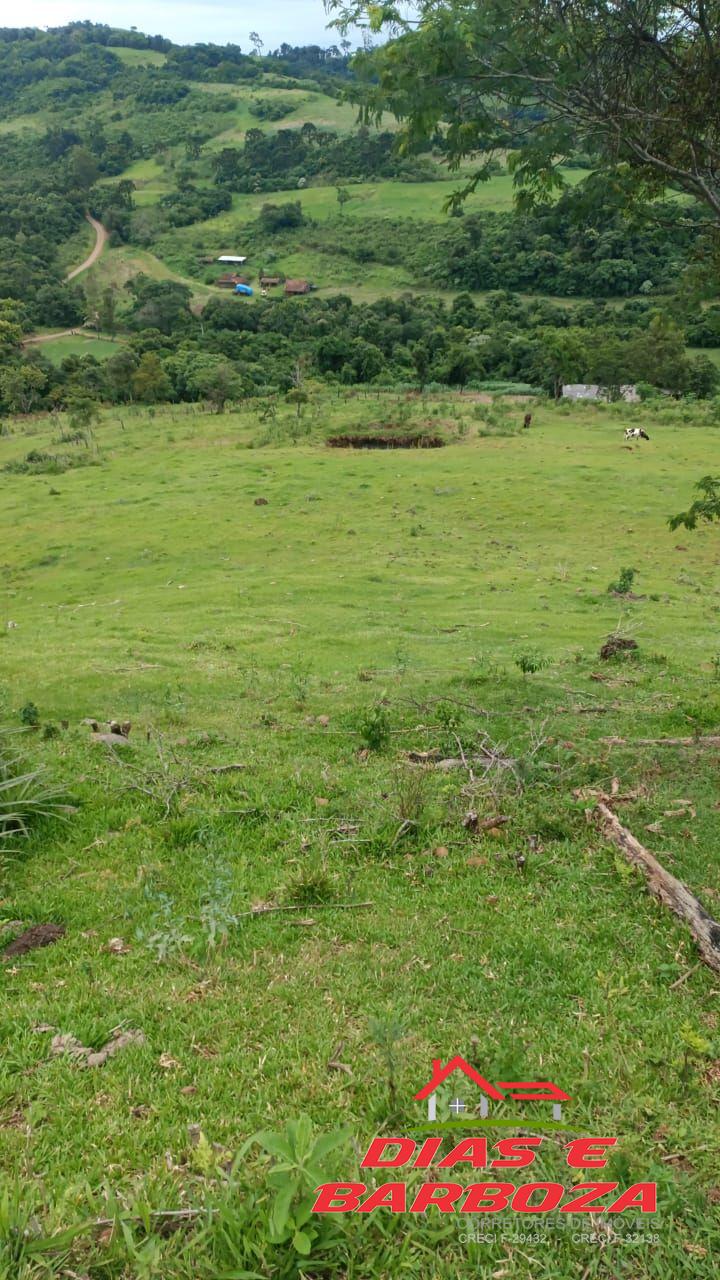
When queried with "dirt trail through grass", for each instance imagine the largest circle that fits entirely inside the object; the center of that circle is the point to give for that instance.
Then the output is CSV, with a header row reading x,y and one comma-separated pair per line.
x,y
101,238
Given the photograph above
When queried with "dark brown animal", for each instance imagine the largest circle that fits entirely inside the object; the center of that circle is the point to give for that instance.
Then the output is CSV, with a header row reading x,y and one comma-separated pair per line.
x,y
527,422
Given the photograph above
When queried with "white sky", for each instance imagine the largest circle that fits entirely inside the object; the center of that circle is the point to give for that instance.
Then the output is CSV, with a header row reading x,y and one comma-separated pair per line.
x,y
188,21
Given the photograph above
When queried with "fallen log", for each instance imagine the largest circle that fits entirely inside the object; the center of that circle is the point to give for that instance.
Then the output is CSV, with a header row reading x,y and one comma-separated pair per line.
x,y
665,887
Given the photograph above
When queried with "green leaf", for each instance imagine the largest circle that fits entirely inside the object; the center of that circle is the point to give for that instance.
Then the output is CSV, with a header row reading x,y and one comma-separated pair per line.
x,y
276,1144
328,1142
280,1215
303,1211
302,1242
301,1134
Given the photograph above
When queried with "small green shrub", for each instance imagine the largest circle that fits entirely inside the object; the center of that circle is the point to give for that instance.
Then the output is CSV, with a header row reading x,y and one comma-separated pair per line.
x,y
624,584
298,1167
373,725
165,932
530,662
30,716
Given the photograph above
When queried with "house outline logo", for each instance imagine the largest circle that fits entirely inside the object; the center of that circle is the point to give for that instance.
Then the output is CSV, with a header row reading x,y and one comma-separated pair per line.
x,y
517,1090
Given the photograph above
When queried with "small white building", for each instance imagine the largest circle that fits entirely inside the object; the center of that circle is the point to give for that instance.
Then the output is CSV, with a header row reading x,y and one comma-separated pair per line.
x,y
591,391
233,258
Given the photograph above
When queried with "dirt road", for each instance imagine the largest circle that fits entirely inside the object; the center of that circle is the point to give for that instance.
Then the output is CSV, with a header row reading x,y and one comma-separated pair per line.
x,y
50,337
100,242
101,239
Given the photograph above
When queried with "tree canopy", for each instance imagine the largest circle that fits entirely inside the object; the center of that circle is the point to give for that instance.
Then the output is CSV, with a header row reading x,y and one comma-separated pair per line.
x,y
633,82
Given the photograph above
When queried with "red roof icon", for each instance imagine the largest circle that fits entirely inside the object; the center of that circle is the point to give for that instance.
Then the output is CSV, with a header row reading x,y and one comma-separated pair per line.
x,y
441,1073
519,1090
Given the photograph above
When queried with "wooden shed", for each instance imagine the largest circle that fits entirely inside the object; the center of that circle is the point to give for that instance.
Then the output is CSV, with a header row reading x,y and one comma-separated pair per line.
x,y
230,280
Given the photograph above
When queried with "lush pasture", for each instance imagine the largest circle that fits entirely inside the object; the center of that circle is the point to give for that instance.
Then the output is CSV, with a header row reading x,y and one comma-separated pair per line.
x,y
380,602
80,345
118,266
31,123
712,353
140,57
151,181
393,199
318,108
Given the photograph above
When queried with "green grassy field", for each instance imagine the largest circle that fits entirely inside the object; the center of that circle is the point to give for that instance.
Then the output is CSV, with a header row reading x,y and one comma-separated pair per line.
x,y
380,603
319,108
140,57
712,353
31,123
391,199
86,345
150,178
117,266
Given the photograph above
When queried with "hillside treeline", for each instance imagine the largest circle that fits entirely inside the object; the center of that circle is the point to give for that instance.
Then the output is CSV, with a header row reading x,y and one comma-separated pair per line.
x,y
275,348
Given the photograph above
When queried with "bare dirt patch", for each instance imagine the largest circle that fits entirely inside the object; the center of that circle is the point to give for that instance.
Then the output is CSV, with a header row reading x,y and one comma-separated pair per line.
x,y
39,935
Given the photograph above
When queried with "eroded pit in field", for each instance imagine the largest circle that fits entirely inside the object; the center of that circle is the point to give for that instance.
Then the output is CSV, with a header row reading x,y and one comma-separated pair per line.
x,y
381,440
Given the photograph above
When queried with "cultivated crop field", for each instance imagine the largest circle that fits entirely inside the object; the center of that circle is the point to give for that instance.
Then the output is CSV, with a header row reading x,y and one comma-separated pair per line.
x,y
338,622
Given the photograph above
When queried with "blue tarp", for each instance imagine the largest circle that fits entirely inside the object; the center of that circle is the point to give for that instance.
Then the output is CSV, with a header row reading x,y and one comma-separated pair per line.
x,y
244,289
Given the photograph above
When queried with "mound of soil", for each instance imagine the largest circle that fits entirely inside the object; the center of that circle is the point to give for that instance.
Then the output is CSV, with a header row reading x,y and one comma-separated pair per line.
x,y
40,935
615,645
411,440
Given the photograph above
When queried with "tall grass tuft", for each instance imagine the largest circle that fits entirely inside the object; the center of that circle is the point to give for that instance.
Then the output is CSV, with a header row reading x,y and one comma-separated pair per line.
x,y
26,794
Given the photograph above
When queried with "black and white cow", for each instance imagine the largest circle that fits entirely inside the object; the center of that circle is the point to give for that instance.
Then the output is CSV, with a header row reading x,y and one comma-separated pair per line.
x,y
636,433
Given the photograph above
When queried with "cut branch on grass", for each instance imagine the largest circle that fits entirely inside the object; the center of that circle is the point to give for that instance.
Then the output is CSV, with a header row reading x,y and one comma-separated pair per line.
x,y
673,893
471,775
490,756
684,977
263,910
169,1219
474,823
165,783
708,740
